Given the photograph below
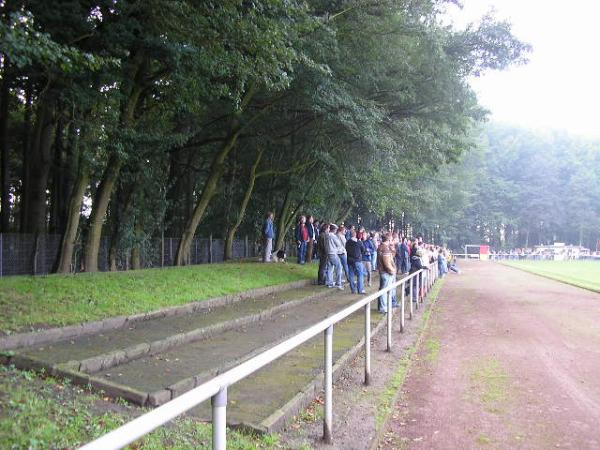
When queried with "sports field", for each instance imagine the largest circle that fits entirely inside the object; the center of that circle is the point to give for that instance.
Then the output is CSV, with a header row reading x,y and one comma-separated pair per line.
x,y
584,274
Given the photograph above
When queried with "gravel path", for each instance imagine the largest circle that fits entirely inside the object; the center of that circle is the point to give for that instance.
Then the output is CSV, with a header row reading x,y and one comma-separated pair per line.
x,y
511,361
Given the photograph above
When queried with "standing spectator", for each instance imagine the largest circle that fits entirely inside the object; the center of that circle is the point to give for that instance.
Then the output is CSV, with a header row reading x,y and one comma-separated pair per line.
x,y
348,231
442,262
416,264
311,239
387,272
268,235
317,228
361,234
333,247
343,258
355,251
404,256
375,245
322,249
302,239
370,250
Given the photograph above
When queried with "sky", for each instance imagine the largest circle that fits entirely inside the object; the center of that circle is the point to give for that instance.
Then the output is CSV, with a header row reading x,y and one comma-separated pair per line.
x,y
560,86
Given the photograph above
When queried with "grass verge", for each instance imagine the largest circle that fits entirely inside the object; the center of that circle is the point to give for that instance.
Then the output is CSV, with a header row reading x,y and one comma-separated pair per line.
x,y
388,398
30,302
583,274
37,411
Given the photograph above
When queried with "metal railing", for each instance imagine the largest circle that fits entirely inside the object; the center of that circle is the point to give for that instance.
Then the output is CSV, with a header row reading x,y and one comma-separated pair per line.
x,y
216,389
466,255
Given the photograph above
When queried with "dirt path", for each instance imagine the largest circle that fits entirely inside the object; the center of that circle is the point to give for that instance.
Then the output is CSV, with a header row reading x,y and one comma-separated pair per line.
x,y
511,361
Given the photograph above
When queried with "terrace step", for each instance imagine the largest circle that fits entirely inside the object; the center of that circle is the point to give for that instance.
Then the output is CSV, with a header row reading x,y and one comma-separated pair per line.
x,y
95,352
127,364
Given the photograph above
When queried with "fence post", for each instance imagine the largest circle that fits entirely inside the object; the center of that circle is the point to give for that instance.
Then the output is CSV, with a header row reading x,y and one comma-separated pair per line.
x,y
162,248
367,344
210,249
418,281
195,251
1,254
246,249
35,254
403,287
328,387
219,419
410,292
171,251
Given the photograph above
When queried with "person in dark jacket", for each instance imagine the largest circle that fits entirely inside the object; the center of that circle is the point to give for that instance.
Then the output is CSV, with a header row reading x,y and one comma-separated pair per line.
x,y
322,253
370,250
302,239
404,257
311,238
355,251
416,264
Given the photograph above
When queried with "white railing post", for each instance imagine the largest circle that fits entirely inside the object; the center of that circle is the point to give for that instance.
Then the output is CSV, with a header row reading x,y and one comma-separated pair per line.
x,y
389,321
368,344
410,292
418,289
402,287
328,387
216,388
219,419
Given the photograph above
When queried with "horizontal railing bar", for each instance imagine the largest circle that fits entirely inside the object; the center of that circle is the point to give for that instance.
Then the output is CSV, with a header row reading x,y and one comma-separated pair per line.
x,y
139,427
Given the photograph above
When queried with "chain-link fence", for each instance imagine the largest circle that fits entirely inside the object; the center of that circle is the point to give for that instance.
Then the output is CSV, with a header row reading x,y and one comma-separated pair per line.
x,y
28,254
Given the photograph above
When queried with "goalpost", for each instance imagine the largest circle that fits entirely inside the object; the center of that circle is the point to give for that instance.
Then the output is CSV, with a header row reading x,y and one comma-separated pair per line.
x,y
483,251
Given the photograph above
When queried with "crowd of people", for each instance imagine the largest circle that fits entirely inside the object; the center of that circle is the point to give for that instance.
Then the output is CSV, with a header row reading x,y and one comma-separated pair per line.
x,y
352,254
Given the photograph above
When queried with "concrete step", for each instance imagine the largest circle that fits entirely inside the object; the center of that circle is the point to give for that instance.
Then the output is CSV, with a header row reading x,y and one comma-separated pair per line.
x,y
156,360
96,352
167,374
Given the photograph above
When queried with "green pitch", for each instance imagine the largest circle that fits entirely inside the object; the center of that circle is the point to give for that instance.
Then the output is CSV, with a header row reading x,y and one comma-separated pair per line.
x,y
584,274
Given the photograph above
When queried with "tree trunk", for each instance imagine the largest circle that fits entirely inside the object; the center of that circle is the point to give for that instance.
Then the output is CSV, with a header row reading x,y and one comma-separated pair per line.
x,y
242,212
23,225
282,220
40,167
4,184
61,187
101,199
345,213
73,214
209,190
210,187
109,178
136,254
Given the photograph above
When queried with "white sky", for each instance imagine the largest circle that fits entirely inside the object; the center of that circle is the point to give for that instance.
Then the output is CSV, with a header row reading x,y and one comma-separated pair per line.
x,y
560,86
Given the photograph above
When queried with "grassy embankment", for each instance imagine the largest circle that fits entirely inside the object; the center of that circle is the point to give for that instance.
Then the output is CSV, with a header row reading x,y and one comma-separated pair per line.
x,y
583,274
28,302
39,412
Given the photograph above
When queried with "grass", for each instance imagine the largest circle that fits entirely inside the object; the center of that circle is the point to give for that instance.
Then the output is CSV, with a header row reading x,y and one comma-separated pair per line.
x,y
583,274
41,412
30,302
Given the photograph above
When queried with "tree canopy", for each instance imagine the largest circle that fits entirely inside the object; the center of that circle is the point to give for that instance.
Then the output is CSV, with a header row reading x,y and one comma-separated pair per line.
x,y
134,118
522,188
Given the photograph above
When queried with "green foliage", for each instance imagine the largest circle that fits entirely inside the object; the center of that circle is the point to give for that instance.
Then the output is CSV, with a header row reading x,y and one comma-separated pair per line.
x,y
352,104
41,412
527,188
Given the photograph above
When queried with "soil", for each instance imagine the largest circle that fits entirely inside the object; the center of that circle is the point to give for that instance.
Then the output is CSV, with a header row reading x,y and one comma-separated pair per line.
x,y
511,361
358,410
